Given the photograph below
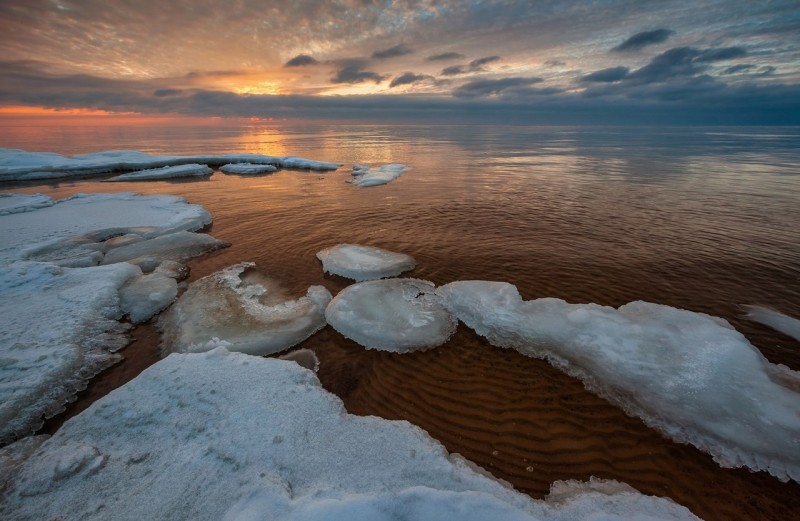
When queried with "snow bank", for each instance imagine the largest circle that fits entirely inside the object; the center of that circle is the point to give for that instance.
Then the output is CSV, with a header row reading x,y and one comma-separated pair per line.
x,y
243,312
777,321
226,436
364,175
167,172
688,375
364,262
247,169
399,315
19,165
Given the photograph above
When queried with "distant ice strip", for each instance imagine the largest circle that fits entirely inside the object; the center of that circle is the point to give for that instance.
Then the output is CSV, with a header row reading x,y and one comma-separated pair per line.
x,y
247,169
362,263
688,375
226,436
166,172
777,321
364,175
19,165
241,312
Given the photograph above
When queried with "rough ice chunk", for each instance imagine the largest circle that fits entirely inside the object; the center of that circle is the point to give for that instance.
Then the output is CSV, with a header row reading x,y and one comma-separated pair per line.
x,y
304,357
307,164
243,312
58,326
688,375
364,175
247,169
364,262
15,203
226,436
399,315
167,172
777,321
143,297
177,247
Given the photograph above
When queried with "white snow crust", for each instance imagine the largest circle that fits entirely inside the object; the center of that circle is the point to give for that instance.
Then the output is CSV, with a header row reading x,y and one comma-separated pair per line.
x,y
364,175
247,169
399,315
241,312
688,375
226,436
364,262
19,165
166,172
774,319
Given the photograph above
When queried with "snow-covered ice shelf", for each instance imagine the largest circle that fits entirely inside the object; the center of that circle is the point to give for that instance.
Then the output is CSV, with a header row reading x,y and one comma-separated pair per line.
x,y
362,263
247,169
166,172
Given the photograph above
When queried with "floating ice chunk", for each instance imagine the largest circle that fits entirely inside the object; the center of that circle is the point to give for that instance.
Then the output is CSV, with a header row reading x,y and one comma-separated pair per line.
x,y
15,203
303,357
247,169
225,436
58,326
399,315
167,172
364,175
307,164
178,247
143,297
364,262
243,312
777,321
688,375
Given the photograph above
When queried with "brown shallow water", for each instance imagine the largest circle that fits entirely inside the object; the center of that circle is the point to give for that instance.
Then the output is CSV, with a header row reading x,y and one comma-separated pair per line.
x,y
702,219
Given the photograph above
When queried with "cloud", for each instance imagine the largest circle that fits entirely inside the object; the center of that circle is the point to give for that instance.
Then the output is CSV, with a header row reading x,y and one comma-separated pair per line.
x,y
408,78
555,63
166,92
683,61
392,52
454,70
480,62
738,68
301,60
480,88
352,71
445,56
643,39
607,75
473,66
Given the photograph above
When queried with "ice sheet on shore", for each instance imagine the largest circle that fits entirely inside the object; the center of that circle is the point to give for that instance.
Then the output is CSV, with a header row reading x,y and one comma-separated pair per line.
x,y
226,436
364,175
399,315
362,263
166,172
688,375
19,165
774,319
15,203
242,312
247,169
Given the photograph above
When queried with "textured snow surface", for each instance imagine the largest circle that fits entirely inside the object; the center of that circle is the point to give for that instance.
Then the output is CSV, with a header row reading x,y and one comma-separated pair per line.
x,y
243,312
247,169
689,375
364,262
774,319
15,203
227,436
17,165
145,296
399,315
166,172
364,175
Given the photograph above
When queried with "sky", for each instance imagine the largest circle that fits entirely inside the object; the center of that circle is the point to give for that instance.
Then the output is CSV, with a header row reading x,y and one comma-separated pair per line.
x,y
545,61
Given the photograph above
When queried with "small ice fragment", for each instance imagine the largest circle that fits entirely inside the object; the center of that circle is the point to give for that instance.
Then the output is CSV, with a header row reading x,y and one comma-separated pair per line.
x,y
367,176
777,321
364,262
399,315
167,172
230,309
143,297
247,169
304,357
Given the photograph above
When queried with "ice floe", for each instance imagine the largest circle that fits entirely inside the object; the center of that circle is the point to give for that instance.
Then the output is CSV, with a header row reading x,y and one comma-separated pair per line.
x,y
364,175
399,315
247,169
15,203
143,297
241,311
688,375
166,172
19,165
774,319
364,262
178,246
226,436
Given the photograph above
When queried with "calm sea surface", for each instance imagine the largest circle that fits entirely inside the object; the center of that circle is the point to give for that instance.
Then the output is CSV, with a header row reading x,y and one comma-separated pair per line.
x,y
705,219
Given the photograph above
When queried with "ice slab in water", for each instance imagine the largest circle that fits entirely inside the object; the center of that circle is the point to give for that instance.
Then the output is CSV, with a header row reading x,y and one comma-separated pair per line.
x,y
304,357
688,375
364,262
178,247
364,175
167,172
247,169
226,436
307,164
143,297
58,328
399,315
242,312
777,321
15,203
